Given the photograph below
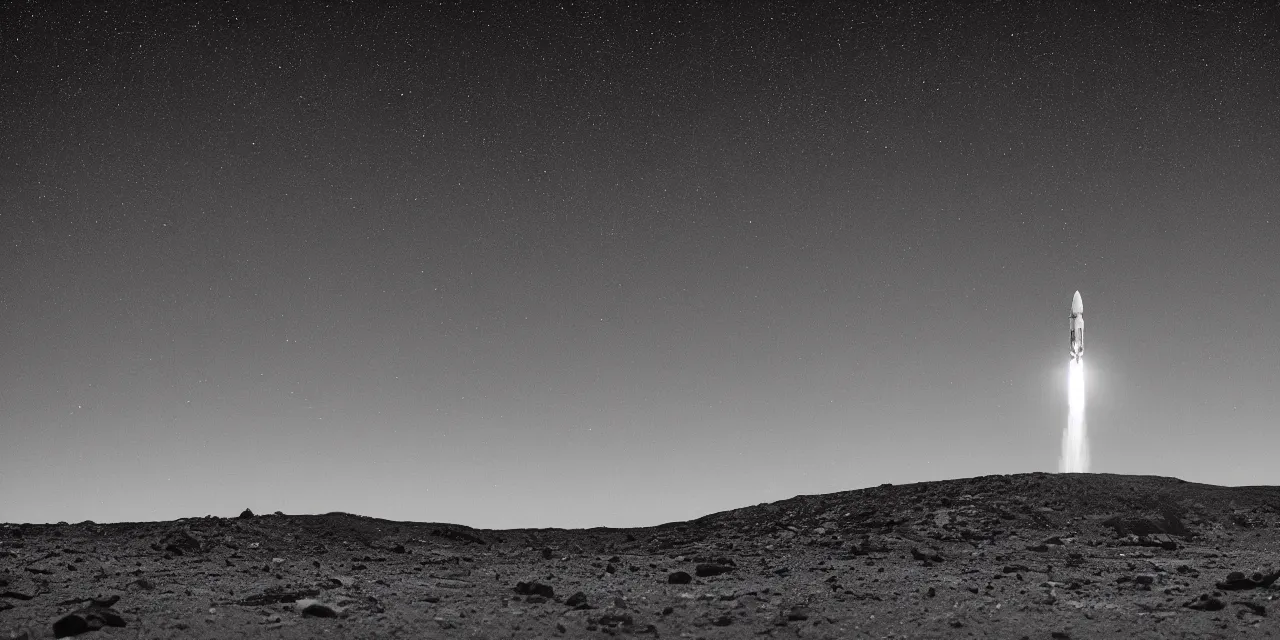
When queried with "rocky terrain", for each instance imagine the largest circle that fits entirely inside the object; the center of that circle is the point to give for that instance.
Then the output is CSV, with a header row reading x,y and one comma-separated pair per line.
x,y
1021,556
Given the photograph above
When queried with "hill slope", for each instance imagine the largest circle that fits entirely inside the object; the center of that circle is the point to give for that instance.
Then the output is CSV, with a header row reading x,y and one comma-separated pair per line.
x,y
1030,555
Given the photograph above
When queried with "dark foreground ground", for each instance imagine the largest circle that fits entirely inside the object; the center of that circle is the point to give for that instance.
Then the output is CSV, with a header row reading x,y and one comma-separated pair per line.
x,y
1035,556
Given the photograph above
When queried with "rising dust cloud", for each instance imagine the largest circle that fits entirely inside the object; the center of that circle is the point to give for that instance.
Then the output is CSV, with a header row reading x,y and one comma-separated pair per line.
x,y
1075,451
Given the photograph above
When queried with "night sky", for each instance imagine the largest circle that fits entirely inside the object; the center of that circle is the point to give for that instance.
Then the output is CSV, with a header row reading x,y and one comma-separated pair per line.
x,y
622,264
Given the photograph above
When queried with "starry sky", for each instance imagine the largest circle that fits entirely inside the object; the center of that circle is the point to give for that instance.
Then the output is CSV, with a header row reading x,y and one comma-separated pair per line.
x,y
618,264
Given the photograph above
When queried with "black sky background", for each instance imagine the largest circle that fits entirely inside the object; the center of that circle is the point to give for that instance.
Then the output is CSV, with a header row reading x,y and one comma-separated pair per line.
x,y
588,264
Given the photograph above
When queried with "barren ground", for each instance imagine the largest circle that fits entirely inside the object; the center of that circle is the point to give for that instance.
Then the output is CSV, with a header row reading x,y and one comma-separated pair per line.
x,y
1033,555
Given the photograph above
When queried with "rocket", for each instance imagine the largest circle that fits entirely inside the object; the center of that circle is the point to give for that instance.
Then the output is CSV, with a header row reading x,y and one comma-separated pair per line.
x,y
1077,327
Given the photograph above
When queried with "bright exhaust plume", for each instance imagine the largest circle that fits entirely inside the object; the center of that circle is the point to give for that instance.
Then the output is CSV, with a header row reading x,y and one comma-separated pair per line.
x,y
1075,445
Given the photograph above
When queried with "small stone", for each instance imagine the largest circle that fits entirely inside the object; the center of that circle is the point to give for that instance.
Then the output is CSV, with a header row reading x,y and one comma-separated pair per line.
x,y
180,542
70,625
577,600
1205,603
1039,548
931,556
798,613
679,577
723,621
708,570
615,619
90,618
315,609
1237,581
1257,609
535,589
105,602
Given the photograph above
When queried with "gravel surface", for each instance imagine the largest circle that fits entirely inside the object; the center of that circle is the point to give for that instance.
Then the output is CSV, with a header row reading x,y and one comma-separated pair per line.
x,y
1020,556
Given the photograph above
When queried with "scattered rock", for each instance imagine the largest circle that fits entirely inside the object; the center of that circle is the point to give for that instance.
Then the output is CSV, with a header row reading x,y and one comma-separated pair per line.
x,y
90,618
1237,581
316,609
614,619
1169,523
679,577
535,589
1257,609
1205,603
848,559
180,542
277,595
709,570
930,556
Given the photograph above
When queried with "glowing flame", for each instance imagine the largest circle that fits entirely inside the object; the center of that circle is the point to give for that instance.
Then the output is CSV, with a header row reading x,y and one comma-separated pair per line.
x,y
1075,451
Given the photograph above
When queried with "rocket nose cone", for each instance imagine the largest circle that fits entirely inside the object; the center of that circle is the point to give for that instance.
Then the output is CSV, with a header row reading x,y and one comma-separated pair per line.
x,y
1077,306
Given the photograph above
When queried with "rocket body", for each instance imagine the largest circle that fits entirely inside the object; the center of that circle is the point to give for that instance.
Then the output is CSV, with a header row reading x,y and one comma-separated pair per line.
x,y
1076,324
